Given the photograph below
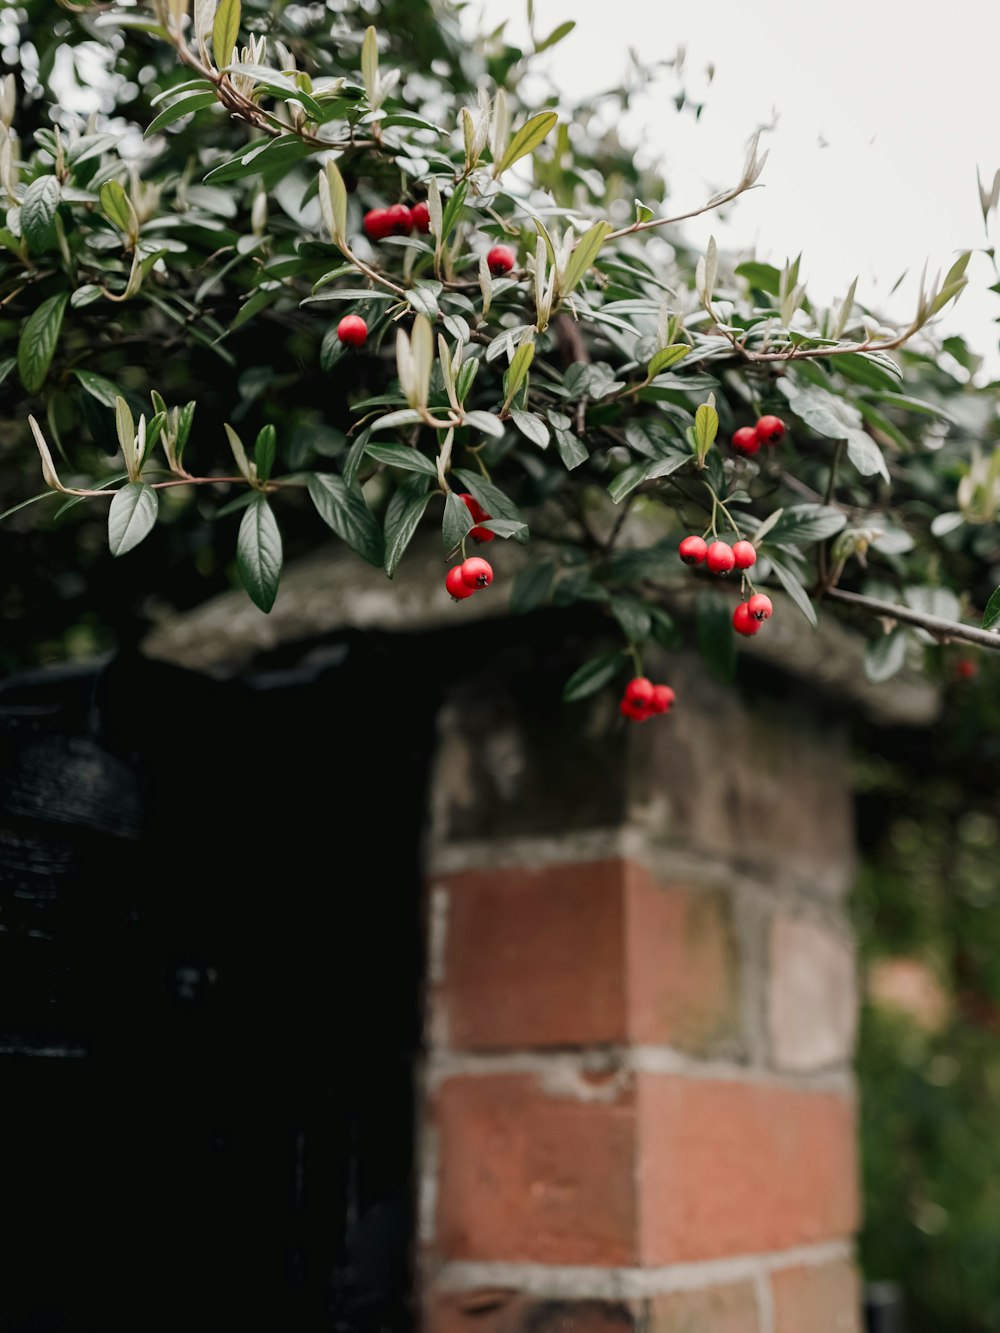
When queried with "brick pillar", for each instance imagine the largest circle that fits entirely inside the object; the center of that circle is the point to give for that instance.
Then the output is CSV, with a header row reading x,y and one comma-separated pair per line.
x,y
639,1104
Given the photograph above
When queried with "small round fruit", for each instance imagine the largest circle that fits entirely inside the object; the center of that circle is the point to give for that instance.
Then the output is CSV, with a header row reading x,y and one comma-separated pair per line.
x,y
399,220
420,215
719,558
760,606
640,691
662,700
966,669
745,440
376,224
500,260
692,550
456,585
352,330
743,621
633,711
479,514
770,430
476,572
745,554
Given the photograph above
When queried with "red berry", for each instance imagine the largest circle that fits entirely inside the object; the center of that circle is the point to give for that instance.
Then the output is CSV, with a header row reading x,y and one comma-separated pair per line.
x,y
743,621
477,512
719,558
352,330
477,572
745,440
420,215
636,712
966,669
745,554
692,550
760,606
639,691
500,260
399,220
376,224
663,699
456,585
770,430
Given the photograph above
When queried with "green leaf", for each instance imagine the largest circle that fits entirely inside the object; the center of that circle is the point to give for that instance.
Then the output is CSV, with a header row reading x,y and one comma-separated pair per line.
x,y
667,357
423,299
132,516
519,368
343,508
492,499
593,676
486,422
6,366
38,213
526,140
866,456
118,207
455,522
792,585
42,495
406,416
706,427
765,277
264,451
402,516
504,527
556,35
531,587
225,31
571,448
806,523
182,107
333,200
885,655
369,64
584,253
626,481
452,209
259,553
633,617
716,638
401,455
38,341
942,524
531,427
991,616
98,387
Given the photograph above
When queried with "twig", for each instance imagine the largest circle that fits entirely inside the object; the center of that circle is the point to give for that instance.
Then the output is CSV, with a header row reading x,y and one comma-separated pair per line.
x,y
936,625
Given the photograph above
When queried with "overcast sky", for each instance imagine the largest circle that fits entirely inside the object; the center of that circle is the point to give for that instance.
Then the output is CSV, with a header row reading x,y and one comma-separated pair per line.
x,y
884,111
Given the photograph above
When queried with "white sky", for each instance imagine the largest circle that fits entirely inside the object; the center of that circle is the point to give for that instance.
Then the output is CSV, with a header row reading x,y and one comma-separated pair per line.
x,y
884,111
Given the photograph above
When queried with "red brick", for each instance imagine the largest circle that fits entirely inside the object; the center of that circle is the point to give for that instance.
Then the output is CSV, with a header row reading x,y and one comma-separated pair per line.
x,y
682,980
527,1175
505,1311
738,1168
730,1309
823,1299
535,957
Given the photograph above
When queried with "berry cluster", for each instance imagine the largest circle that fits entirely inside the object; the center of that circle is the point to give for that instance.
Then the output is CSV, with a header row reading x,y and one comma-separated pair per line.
x,y
748,439
642,699
720,557
749,616
468,577
397,220
478,515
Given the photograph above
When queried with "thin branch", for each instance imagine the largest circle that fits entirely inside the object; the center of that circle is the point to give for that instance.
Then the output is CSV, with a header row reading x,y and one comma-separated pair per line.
x,y
936,625
712,204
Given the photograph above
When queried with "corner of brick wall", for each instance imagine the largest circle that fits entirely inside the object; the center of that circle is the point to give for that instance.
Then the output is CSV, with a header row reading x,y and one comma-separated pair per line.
x,y
640,1020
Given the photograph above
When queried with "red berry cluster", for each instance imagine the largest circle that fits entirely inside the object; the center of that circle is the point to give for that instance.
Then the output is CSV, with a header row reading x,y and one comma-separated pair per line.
x,y
720,557
642,699
749,616
397,220
468,577
500,260
748,439
352,330
478,515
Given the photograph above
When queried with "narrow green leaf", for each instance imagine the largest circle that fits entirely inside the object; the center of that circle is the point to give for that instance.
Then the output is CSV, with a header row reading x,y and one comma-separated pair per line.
x,y
259,551
571,448
98,387
38,213
666,357
504,527
369,65
132,516
556,35
225,31
593,676
406,416
706,427
626,481
519,368
452,209
991,616
42,495
118,207
455,522
264,451
526,140
493,500
343,508
584,253
402,455
531,427
806,523
485,422
6,366
402,517
791,584
184,106
37,344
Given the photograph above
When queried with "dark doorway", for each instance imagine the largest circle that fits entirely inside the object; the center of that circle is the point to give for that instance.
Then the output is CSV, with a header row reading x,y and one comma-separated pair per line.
x,y
209,996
